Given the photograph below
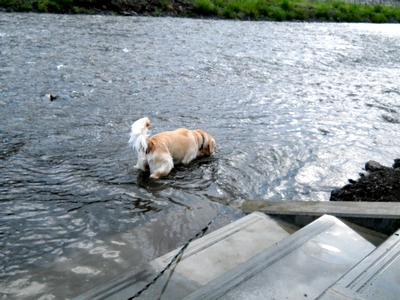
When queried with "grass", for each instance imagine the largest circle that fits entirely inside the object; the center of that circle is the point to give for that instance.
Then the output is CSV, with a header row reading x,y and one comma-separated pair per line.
x,y
273,10
205,7
53,5
282,10
39,5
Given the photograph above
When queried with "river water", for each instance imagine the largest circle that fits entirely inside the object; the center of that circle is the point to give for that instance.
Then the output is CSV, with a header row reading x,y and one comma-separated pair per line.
x,y
295,108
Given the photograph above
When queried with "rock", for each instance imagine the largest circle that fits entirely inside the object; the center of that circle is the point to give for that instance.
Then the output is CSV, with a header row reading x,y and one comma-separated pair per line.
x,y
129,13
373,166
396,164
379,184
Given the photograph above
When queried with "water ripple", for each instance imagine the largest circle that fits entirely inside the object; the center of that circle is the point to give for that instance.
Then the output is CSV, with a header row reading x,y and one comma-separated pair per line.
x,y
295,108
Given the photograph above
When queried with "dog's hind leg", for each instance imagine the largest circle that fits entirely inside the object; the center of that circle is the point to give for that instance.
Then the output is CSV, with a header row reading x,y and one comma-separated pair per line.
x,y
160,166
141,162
156,175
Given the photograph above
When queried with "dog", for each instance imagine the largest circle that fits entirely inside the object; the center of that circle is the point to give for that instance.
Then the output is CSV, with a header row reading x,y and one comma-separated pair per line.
x,y
161,152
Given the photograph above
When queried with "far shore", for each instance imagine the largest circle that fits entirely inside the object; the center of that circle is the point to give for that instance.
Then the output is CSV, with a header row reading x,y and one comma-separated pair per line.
x,y
376,11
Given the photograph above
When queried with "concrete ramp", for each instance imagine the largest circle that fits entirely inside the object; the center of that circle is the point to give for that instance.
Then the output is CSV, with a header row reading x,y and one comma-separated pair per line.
x,y
202,262
260,257
375,277
300,266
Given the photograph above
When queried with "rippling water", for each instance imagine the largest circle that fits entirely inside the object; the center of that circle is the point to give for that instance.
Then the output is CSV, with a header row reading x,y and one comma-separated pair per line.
x,y
295,109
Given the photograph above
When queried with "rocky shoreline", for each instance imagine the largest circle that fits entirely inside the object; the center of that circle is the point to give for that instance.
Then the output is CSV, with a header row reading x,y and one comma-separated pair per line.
x,y
172,8
379,183
141,7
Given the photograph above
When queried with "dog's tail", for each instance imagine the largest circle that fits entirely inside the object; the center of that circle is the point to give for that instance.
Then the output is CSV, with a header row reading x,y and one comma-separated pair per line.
x,y
139,135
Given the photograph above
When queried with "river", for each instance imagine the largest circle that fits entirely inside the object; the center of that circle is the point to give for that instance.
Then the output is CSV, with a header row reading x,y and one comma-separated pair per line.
x,y
295,109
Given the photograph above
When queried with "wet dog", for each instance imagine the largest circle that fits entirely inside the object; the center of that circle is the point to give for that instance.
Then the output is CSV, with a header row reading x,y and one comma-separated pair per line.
x,y
162,151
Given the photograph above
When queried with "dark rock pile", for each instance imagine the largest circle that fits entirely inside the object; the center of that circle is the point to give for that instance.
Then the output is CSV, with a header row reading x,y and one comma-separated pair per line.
x,y
140,7
167,8
380,183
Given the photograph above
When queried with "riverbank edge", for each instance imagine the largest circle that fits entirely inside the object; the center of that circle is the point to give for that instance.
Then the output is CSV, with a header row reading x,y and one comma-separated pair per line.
x,y
378,184
265,10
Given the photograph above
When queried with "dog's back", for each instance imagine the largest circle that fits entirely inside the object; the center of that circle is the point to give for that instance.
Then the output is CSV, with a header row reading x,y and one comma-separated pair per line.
x,y
180,144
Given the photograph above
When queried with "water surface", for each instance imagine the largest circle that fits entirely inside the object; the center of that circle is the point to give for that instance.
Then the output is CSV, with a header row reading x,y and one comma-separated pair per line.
x,y
295,108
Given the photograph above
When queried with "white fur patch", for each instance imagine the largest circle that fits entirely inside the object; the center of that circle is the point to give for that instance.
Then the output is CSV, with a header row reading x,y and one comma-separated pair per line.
x,y
139,135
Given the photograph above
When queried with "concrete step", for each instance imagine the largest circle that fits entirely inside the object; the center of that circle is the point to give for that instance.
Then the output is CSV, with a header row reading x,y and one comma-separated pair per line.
x,y
302,265
382,210
375,277
379,216
203,261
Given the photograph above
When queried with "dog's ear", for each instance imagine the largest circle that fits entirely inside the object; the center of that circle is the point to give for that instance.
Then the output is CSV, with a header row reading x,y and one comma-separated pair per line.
x,y
209,149
211,146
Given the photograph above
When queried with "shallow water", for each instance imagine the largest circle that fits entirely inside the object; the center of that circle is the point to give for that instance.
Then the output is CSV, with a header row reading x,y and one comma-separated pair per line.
x,y
295,108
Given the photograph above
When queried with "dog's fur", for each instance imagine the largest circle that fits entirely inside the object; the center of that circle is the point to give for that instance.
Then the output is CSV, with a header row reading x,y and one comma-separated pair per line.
x,y
164,150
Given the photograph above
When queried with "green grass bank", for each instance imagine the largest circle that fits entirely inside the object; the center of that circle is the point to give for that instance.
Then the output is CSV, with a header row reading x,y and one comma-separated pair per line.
x,y
286,10
270,10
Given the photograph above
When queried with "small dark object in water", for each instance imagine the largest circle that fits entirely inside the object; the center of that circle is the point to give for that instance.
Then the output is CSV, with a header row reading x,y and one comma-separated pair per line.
x,y
51,97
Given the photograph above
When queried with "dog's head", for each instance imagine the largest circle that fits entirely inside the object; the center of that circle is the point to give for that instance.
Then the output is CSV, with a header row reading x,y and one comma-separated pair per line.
x,y
206,143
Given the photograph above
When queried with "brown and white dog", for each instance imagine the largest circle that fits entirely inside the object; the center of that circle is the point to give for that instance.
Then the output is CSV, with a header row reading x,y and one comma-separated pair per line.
x,y
164,150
